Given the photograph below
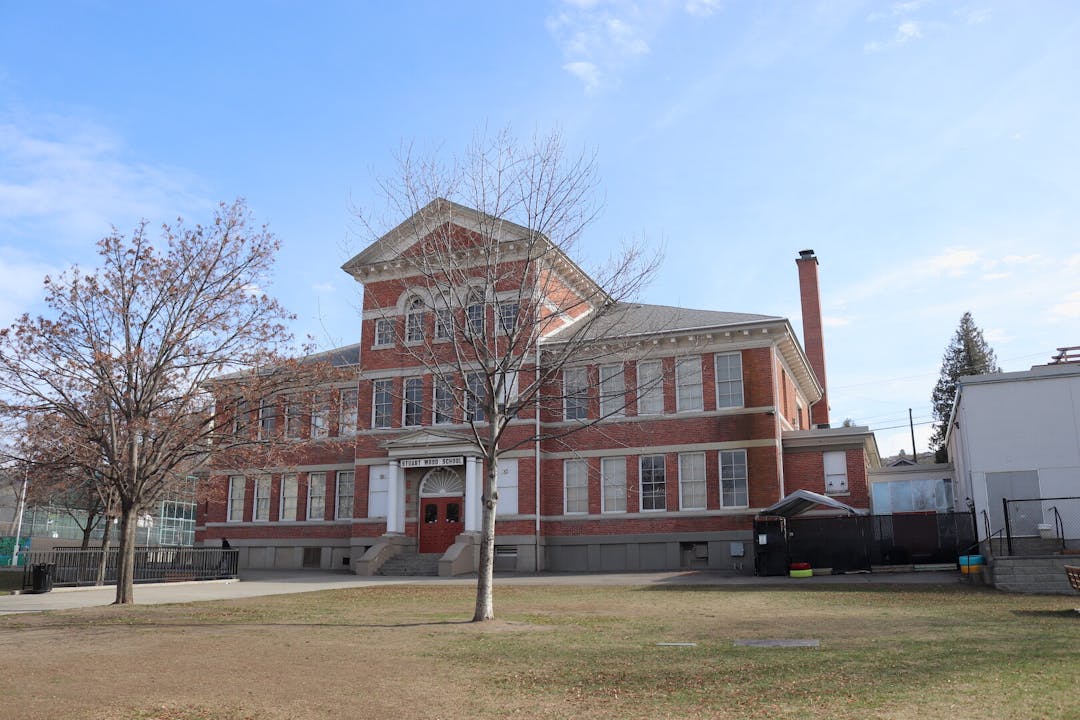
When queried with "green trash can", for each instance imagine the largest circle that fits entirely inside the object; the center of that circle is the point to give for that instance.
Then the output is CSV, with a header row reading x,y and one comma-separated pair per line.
x,y
42,578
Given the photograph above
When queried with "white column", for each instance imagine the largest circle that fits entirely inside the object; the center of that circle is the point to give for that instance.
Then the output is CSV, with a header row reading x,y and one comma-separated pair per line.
x,y
472,496
395,499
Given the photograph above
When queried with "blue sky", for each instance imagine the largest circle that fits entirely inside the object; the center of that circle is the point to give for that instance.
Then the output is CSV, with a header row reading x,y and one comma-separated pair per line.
x,y
929,152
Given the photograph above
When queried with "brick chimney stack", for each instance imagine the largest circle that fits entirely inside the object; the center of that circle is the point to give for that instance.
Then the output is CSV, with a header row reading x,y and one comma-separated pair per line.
x,y
812,338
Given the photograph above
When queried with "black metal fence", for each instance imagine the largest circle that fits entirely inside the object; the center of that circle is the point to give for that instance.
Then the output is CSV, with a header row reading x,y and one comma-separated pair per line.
x,y
69,567
858,542
1041,526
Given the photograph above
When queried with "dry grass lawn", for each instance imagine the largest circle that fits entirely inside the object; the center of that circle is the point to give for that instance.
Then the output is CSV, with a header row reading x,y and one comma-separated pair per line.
x,y
557,652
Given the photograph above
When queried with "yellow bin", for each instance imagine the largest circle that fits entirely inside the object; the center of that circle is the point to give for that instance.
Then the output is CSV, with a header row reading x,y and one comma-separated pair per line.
x,y
801,573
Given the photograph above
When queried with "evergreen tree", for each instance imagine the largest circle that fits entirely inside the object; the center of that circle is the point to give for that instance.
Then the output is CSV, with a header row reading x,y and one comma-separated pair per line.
x,y
967,354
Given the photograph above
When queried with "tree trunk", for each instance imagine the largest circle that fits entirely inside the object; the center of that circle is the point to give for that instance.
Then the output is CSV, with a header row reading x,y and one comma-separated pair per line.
x,y
485,607
125,559
103,561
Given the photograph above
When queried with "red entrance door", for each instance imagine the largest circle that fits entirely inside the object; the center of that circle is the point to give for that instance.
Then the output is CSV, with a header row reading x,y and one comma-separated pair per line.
x,y
440,523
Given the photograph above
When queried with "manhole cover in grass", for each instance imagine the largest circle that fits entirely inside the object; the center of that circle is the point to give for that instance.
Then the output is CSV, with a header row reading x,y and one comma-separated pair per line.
x,y
779,643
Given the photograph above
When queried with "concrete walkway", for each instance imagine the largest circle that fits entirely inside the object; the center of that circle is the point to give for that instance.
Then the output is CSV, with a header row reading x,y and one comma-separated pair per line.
x,y
254,583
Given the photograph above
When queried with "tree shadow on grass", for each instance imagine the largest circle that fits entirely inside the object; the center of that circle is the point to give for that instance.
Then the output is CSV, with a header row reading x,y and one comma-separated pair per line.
x,y
1070,613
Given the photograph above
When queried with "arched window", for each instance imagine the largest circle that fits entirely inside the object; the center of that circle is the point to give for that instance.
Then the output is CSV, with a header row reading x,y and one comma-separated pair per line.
x,y
414,320
474,313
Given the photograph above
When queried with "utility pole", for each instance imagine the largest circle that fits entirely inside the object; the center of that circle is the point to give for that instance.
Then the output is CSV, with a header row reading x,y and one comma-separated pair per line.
x,y
911,424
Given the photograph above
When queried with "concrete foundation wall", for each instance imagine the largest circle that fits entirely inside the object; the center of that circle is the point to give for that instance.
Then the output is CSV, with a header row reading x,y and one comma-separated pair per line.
x,y
1043,575
632,553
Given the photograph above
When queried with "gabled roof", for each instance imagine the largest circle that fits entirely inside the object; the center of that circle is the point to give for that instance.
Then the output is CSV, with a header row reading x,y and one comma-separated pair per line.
x,y
802,501
389,248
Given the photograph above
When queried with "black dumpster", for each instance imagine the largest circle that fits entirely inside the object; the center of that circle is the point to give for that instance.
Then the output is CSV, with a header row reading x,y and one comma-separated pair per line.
x,y
42,578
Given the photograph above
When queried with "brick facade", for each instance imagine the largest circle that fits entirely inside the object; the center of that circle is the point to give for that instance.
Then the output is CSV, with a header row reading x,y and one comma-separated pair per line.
x,y
731,441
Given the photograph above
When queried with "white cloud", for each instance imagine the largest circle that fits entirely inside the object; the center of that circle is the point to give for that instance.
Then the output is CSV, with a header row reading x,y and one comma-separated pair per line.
x,y
835,321
997,335
974,16
323,287
907,31
953,262
1021,259
1069,309
21,278
586,72
990,277
70,181
702,8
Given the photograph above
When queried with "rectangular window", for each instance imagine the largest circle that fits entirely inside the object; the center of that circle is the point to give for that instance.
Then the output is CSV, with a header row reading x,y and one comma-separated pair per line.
x,y
576,483
288,497
381,403
474,317
346,483
444,323
240,419
650,387
729,389
507,390
688,384
612,390
384,332
414,321
261,505
347,413
235,511
378,489
414,401
613,478
475,397
508,317
733,491
692,481
444,403
267,413
294,417
316,496
835,472
576,393
653,487
320,415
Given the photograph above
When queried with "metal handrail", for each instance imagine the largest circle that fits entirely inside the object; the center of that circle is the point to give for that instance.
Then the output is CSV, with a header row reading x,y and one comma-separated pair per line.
x,y
1059,525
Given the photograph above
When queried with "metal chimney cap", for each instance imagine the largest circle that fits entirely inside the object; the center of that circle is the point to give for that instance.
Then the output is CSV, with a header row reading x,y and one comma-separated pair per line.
x,y
806,254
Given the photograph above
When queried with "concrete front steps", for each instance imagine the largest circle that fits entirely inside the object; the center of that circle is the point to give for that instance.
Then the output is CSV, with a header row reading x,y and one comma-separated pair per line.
x,y
408,562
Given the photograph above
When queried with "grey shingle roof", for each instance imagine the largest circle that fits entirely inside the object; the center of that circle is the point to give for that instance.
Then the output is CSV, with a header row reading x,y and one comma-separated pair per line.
x,y
641,319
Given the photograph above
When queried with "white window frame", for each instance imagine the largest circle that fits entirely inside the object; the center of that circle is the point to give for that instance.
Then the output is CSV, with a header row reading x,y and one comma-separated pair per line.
x,y
384,332
234,511
475,397
320,415
289,497
727,380
348,413
575,393
444,323
650,400
388,384
475,312
411,406
442,405
573,467
613,475
730,462
836,477
241,418
612,391
503,314
267,419
701,483
260,499
415,310
316,478
344,479
641,482
688,378
294,418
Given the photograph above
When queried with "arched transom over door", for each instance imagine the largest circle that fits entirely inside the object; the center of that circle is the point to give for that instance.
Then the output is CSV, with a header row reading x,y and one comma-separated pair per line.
x,y
442,509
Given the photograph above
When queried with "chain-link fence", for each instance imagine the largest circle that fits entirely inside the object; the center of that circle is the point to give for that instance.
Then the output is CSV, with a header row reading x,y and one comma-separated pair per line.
x,y
1041,526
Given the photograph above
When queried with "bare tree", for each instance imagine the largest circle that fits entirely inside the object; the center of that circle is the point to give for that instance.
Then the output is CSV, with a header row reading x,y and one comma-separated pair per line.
x,y
128,349
499,308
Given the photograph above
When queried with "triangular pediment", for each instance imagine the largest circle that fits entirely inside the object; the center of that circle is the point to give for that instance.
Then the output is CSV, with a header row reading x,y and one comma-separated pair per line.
x,y
430,440
436,214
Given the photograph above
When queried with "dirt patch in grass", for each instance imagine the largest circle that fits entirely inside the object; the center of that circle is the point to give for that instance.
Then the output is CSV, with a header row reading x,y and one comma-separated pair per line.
x,y
555,652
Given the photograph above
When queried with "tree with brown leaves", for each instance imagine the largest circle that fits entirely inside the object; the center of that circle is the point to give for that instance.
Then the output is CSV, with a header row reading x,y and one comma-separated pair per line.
x,y
127,350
